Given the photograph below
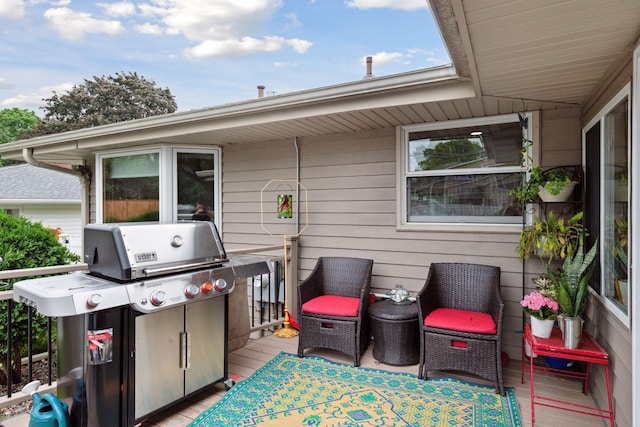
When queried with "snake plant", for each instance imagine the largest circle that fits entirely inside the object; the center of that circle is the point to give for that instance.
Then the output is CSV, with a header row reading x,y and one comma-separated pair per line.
x,y
572,279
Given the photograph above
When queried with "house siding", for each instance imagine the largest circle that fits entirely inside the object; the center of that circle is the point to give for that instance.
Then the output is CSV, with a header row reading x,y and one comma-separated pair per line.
x,y
351,182
64,216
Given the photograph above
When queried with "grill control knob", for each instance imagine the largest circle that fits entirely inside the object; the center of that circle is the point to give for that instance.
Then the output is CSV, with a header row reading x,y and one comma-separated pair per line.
x,y
94,300
158,298
206,287
220,285
191,291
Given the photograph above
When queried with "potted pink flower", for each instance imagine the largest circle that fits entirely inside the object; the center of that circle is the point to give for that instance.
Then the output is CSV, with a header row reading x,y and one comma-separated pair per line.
x,y
543,311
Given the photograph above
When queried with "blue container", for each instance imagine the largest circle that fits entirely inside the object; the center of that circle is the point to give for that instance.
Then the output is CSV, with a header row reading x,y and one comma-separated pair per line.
x,y
558,363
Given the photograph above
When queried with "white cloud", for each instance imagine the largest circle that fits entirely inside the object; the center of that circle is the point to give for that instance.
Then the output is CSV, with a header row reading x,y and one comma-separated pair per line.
x,y
221,27
123,8
149,28
300,46
12,9
390,4
382,58
293,21
4,85
236,47
74,25
33,100
201,20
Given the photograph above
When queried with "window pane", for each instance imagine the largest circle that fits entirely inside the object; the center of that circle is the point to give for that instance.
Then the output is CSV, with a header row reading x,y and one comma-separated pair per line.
x,y
131,188
195,174
483,146
464,198
616,247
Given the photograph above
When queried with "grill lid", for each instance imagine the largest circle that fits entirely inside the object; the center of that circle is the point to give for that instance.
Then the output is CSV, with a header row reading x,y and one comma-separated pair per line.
x,y
132,251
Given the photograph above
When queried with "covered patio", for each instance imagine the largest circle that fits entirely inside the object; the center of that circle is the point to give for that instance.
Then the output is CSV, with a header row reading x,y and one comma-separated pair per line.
x,y
560,64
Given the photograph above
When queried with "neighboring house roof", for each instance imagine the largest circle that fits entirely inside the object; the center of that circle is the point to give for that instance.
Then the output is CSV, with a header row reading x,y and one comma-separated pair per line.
x,y
507,57
29,184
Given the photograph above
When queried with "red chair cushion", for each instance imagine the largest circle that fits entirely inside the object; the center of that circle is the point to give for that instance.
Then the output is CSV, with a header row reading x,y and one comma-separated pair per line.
x,y
332,305
461,320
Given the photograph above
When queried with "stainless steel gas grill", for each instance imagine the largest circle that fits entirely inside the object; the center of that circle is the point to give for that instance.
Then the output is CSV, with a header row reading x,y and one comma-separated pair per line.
x,y
147,326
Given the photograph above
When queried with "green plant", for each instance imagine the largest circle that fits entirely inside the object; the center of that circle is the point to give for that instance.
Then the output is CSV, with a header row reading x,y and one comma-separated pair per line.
x,y
24,244
553,180
572,279
620,248
553,237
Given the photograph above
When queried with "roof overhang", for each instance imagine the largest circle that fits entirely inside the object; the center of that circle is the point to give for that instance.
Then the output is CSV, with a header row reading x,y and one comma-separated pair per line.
x,y
357,106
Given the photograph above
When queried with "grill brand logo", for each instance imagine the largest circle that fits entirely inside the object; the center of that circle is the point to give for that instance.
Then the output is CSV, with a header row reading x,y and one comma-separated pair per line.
x,y
146,257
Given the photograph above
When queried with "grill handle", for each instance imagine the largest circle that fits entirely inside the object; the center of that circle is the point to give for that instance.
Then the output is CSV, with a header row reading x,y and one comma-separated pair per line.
x,y
183,267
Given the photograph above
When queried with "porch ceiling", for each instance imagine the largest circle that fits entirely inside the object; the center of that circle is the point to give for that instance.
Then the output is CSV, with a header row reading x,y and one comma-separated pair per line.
x,y
508,56
559,51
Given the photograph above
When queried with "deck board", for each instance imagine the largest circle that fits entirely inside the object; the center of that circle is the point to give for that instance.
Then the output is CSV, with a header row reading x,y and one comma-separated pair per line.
x,y
245,361
257,352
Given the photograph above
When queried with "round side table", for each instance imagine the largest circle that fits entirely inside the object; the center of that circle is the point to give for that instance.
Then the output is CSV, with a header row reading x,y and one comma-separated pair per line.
x,y
396,339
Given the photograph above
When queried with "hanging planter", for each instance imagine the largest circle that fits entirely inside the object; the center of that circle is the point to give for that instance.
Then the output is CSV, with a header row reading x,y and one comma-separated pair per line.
x,y
562,191
555,184
551,238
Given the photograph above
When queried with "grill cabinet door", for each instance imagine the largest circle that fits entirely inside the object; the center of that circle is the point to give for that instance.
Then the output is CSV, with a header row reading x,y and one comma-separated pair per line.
x,y
159,377
206,352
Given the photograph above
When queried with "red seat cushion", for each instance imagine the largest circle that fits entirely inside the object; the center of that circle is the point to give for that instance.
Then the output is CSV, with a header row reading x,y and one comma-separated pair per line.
x,y
461,320
332,305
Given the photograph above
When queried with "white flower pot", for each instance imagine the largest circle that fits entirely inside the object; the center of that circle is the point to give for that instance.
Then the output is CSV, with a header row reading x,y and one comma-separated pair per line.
x,y
562,196
541,327
527,350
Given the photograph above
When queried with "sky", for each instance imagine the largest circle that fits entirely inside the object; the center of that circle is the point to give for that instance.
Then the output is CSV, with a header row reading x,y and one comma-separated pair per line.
x,y
209,52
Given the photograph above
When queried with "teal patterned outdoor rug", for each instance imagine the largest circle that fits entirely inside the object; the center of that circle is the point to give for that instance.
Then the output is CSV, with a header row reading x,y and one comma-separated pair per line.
x,y
290,391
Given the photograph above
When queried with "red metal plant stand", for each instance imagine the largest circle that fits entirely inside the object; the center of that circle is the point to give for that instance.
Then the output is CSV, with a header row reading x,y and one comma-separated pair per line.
x,y
589,352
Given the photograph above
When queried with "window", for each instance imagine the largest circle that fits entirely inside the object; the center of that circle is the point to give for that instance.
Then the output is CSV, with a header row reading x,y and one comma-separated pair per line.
x,y
195,185
163,184
462,171
607,154
131,187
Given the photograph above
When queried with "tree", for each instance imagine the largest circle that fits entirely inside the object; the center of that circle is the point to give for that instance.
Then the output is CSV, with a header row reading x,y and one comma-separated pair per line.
x,y
24,244
453,153
13,122
103,100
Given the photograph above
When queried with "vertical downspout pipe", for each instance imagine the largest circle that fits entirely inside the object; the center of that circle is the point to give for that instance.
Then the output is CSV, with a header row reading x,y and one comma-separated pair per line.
x,y
85,181
295,143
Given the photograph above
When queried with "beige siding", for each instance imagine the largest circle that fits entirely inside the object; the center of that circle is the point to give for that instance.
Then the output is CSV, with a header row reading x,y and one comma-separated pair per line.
x,y
351,182
561,137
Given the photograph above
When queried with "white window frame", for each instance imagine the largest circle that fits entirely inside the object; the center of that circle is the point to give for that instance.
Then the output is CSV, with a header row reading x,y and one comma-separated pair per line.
x,y
217,187
623,317
167,179
403,172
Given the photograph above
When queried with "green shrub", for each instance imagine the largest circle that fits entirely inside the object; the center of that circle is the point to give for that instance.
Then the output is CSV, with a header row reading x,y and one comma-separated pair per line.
x,y
24,244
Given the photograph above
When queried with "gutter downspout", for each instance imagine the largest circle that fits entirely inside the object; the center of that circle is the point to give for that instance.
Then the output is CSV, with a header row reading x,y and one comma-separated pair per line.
x,y
295,143
85,180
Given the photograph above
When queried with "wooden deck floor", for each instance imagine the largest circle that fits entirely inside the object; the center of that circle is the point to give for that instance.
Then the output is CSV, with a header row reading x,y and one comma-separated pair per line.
x,y
257,352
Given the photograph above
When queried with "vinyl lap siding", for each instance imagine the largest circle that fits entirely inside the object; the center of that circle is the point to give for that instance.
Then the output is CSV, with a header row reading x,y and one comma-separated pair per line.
x,y
66,217
351,183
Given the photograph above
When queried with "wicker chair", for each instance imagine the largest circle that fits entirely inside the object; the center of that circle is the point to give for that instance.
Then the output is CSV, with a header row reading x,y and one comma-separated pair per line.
x,y
460,312
332,306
